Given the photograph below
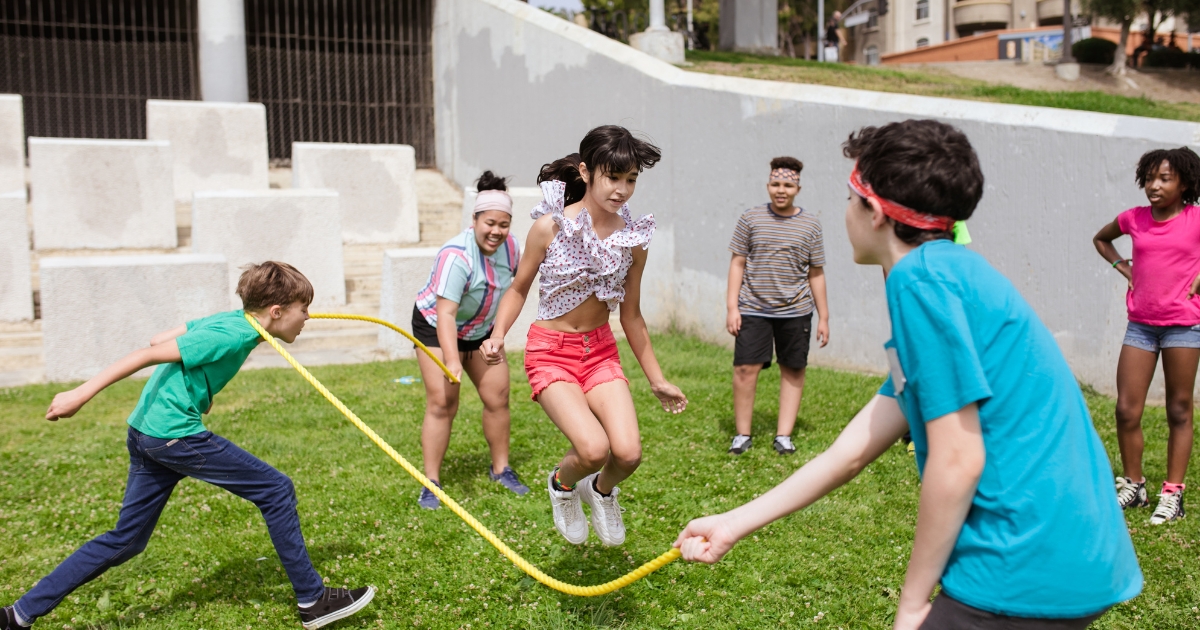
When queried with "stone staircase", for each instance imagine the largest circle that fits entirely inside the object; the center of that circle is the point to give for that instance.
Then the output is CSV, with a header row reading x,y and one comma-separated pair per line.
x,y
323,342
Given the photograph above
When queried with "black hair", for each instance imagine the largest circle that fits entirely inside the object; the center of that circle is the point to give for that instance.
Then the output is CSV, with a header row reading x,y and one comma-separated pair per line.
x,y
607,149
787,162
926,165
1183,161
491,181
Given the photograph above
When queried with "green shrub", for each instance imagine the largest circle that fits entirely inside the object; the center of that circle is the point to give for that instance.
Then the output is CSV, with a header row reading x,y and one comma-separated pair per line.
x,y
1167,59
1094,50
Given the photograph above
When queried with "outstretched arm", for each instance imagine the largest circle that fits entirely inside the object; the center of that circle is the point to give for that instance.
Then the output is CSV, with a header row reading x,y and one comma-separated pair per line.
x,y
540,235
875,428
638,336
66,404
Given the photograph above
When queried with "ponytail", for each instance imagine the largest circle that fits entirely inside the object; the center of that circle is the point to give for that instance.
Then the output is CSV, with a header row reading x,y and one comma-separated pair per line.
x,y
565,170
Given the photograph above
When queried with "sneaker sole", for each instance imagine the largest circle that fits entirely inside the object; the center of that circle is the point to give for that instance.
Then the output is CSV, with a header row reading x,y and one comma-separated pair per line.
x,y
343,613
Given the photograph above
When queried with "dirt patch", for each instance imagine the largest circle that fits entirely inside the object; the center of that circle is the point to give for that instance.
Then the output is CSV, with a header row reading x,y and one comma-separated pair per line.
x,y
1175,86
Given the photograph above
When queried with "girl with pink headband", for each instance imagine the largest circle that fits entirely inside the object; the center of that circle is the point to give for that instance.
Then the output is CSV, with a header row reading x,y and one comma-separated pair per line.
x,y
590,253
453,315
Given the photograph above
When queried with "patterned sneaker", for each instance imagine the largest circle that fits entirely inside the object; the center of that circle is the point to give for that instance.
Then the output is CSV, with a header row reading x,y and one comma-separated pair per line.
x,y
429,500
1170,508
1130,494
335,603
783,445
741,444
568,512
606,512
8,619
508,478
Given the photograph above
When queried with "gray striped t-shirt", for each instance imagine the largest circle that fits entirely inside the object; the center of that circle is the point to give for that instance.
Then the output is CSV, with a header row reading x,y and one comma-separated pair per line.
x,y
779,251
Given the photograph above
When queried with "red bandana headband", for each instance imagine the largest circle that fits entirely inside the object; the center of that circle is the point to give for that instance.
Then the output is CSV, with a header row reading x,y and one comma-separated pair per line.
x,y
897,212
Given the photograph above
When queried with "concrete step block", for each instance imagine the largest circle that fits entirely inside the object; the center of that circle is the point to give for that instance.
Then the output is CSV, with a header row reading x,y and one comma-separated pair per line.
x,y
21,340
23,358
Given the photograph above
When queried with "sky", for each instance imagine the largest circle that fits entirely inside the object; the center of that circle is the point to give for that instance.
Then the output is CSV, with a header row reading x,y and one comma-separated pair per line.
x,y
570,5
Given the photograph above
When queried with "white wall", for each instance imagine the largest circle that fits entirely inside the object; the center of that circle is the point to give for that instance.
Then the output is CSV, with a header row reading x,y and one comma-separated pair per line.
x,y
12,143
16,288
718,134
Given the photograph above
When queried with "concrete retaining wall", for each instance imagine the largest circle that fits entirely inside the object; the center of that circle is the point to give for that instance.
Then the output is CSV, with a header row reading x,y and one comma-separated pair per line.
x,y
405,272
524,199
101,194
216,146
96,310
16,289
718,134
376,182
299,227
12,143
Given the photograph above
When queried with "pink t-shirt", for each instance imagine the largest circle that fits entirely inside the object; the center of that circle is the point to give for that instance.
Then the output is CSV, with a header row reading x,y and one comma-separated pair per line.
x,y
1166,259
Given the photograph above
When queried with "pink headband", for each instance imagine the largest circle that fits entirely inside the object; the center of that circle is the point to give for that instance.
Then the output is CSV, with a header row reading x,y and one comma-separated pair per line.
x,y
785,174
897,212
493,200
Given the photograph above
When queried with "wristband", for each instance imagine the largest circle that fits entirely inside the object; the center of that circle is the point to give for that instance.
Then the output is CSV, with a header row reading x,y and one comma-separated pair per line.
x,y
1119,261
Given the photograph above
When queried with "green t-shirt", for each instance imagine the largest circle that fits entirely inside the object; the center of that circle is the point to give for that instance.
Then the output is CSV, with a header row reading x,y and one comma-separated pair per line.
x,y
211,352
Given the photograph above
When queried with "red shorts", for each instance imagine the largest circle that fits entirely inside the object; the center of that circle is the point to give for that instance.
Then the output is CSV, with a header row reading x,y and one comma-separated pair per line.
x,y
586,359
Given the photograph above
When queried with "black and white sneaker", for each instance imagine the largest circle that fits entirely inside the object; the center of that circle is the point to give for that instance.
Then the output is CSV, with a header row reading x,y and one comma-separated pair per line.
x,y
1131,494
783,445
335,604
741,444
1170,508
8,619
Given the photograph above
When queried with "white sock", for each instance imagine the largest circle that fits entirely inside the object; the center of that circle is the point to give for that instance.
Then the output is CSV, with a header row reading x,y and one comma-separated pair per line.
x,y
21,620
309,604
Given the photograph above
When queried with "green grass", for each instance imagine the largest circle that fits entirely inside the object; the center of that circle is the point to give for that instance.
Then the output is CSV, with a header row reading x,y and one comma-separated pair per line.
x,y
929,82
210,564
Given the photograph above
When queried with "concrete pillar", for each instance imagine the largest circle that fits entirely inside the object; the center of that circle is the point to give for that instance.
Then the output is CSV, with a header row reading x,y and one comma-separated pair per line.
x,y
750,26
223,51
658,40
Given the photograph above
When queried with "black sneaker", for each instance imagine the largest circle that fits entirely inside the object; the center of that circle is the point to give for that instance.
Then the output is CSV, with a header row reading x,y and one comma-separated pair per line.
x,y
335,603
1130,494
741,444
8,619
508,478
1170,508
783,445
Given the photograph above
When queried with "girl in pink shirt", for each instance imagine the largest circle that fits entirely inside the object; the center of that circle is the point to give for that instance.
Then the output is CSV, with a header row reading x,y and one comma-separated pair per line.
x,y
1164,316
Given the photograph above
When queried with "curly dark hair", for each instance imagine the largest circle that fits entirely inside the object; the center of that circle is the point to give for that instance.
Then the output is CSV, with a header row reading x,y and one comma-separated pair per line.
x,y
1183,161
787,162
926,165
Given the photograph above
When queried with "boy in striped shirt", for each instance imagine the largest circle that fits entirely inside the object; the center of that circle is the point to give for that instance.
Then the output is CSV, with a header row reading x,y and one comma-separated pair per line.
x,y
776,281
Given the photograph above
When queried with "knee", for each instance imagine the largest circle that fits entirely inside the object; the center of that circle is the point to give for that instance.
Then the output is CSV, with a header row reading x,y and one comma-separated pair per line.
x,y
1128,416
495,401
745,372
442,408
1179,412
594,453
283,488
628,459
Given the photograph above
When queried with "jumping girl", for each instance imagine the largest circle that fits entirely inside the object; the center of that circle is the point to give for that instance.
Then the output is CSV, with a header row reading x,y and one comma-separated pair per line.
x,y
590,252
1164,316
456,310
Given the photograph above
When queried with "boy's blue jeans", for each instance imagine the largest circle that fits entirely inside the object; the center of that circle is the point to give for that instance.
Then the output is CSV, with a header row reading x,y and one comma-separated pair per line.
x,y
155,466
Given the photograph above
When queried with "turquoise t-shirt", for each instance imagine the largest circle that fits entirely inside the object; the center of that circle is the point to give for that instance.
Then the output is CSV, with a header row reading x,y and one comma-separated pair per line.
x,y
1044,537
463,274
211,351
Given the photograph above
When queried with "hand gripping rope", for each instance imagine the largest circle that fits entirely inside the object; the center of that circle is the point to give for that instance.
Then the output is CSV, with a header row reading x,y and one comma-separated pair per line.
x,y
523,564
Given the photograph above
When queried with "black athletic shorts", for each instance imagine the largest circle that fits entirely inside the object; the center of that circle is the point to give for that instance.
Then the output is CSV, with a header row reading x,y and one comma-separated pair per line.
x,y
951,614
789,335
427,334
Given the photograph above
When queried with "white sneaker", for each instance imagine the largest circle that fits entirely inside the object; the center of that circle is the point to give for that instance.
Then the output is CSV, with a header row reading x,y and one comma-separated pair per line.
x,y
606,512
568,512
1170,508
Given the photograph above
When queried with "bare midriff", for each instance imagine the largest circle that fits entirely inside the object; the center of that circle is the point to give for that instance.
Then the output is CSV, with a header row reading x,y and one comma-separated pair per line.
x,y
589,315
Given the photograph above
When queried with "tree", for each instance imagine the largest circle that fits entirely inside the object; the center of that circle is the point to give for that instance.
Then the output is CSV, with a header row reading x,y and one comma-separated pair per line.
x,y
1122,11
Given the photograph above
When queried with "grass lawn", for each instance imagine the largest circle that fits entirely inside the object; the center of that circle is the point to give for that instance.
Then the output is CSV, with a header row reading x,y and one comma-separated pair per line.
x,y
210,564
928,83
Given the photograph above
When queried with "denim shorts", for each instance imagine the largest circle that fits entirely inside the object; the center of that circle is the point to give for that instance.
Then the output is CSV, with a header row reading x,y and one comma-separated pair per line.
x,y
1154,338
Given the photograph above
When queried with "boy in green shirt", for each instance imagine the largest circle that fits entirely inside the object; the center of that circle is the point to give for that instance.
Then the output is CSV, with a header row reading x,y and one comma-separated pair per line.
x,y
168,441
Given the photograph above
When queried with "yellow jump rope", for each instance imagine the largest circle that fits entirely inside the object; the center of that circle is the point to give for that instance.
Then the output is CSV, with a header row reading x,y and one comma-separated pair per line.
x,y
534,572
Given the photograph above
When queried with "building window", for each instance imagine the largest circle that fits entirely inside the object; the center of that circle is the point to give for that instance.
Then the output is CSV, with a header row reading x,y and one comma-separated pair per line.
x,y
922,9
871,55
873,20
923,42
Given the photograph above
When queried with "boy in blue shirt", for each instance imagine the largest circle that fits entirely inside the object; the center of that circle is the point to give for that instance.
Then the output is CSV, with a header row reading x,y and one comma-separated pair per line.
x,y
1018,520
168,442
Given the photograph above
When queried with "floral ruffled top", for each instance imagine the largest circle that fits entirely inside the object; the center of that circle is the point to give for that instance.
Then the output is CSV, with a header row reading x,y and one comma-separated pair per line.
x,y
578,263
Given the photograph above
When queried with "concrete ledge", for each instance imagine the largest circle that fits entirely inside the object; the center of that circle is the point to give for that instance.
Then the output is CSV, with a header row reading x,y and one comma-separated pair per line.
x,y
101,194
405,272
12,143
97,309
216,146
299,227
16,289
524,199
376,182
